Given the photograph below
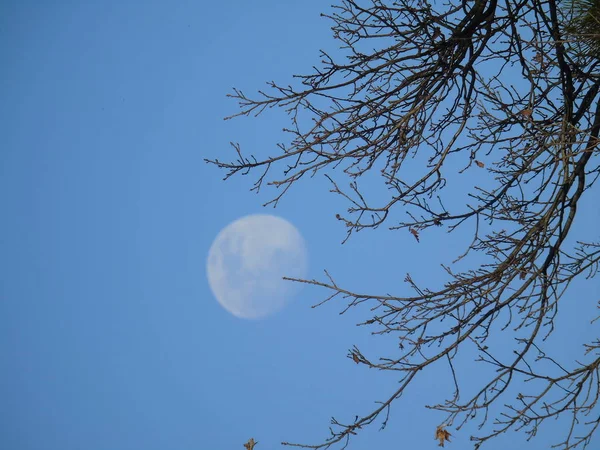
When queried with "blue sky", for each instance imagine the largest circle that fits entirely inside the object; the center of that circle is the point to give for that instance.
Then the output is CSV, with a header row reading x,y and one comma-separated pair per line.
x,y
109,335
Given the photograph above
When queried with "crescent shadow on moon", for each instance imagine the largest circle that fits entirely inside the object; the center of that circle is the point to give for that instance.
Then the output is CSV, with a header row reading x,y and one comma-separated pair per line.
x,y
246,263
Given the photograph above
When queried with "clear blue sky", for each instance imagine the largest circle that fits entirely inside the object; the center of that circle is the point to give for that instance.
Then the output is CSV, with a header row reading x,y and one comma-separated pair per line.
x,y
110,338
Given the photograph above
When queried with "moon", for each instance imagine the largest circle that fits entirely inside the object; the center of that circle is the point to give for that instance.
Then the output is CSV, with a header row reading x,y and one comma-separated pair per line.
x,y
246,263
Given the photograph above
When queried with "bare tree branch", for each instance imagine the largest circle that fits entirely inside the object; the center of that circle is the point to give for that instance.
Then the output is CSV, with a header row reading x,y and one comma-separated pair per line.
x,y
419,96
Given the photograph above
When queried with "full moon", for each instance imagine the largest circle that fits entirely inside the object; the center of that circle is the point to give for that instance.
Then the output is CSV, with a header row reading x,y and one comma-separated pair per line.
x,y
247,261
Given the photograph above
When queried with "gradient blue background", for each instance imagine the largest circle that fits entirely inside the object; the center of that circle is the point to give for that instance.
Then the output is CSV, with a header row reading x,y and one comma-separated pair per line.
x,y
109,335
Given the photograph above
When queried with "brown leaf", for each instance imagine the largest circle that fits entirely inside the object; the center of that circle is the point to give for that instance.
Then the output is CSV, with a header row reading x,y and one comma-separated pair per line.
x,y
523,274
527,112
415,233
441,434
479,164
250,444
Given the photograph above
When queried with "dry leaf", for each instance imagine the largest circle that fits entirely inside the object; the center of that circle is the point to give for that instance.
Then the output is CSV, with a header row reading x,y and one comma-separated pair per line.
x,y
527,112
441,434
523,274
250,444
479,164
415,233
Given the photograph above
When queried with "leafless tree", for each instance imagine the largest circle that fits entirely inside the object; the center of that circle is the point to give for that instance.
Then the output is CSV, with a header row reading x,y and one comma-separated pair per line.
x,y
418,89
